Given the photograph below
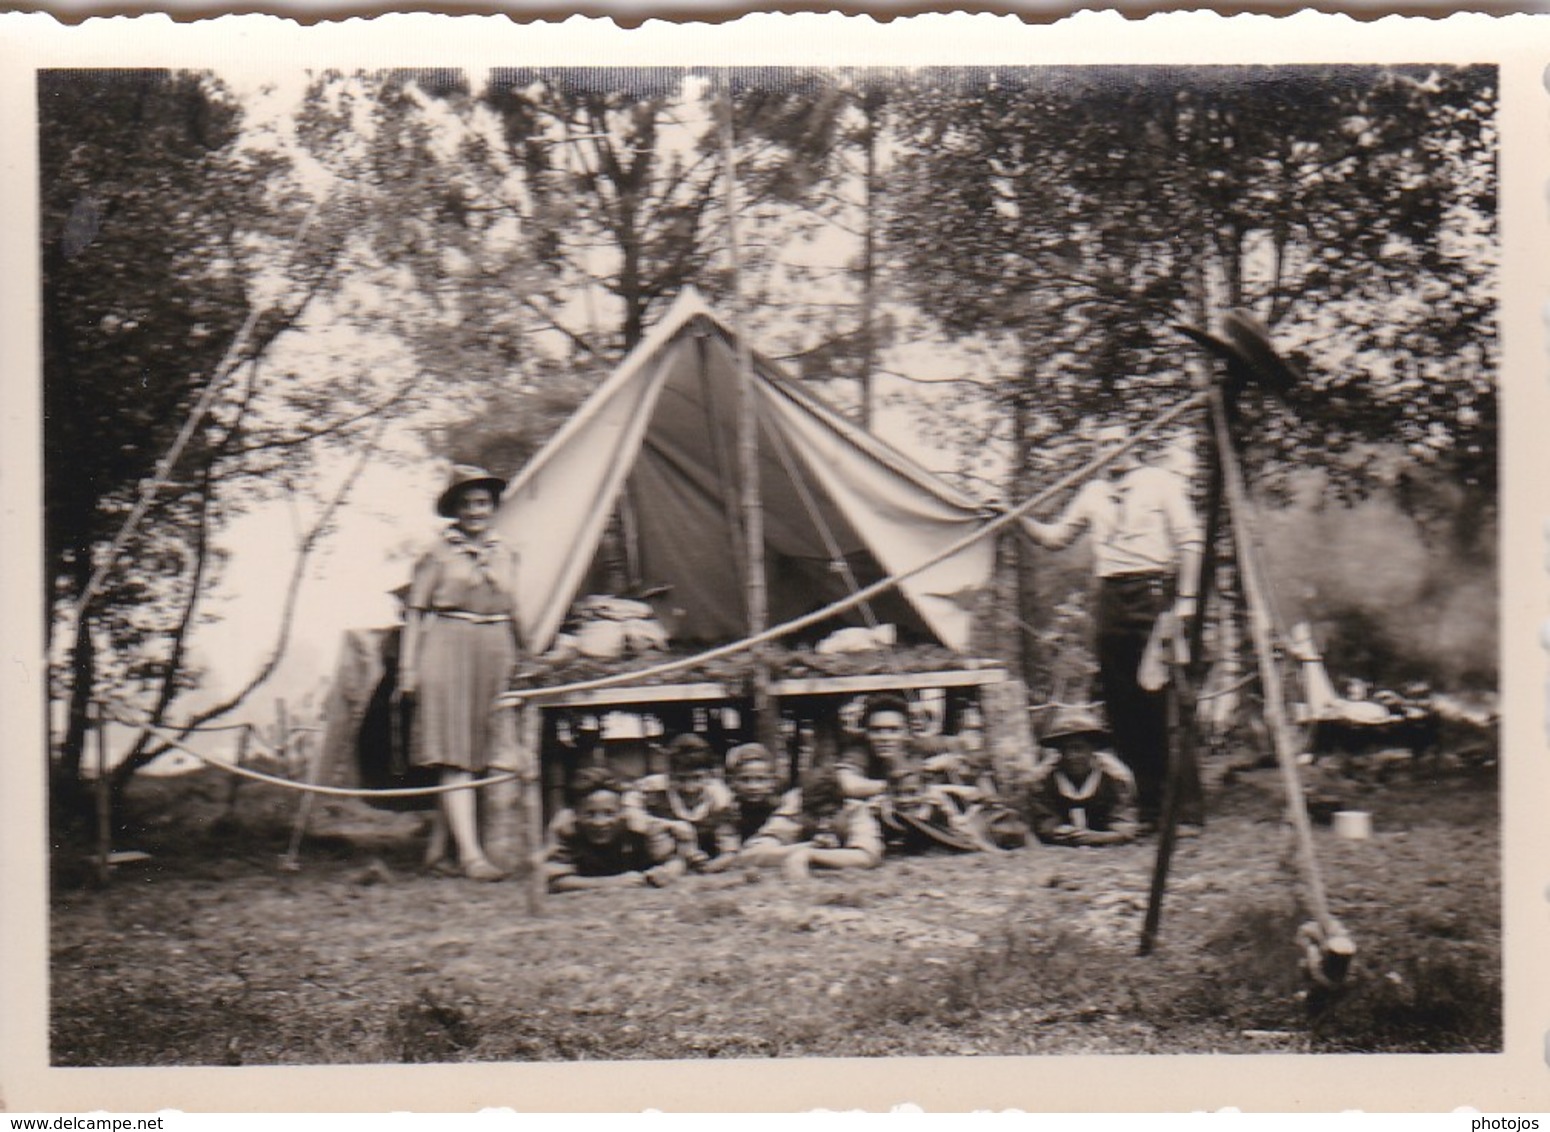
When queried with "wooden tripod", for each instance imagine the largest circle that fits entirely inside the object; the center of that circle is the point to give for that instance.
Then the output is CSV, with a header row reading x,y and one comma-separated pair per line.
x,y
1328,948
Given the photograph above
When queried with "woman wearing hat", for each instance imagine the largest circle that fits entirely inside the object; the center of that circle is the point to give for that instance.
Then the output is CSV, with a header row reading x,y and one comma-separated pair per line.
x,y
1086,796
460,643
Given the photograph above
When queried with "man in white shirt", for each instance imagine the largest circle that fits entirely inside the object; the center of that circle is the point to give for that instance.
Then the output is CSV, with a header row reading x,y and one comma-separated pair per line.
x,y
1147,544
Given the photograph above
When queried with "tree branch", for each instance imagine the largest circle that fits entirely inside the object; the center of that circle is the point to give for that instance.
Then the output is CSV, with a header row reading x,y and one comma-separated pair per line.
x,y
684,174
317,434
973,382
304,553
139,755
577,338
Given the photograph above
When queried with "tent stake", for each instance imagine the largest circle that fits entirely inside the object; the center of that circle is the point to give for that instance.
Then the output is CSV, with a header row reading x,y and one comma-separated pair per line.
x,y
236,780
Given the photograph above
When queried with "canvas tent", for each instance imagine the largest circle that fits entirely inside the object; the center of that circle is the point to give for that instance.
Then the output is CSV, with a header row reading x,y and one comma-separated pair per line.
x,y
654,451
657,443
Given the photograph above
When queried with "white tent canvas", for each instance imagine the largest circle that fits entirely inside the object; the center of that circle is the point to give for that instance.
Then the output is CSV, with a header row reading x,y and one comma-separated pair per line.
x,y
658,443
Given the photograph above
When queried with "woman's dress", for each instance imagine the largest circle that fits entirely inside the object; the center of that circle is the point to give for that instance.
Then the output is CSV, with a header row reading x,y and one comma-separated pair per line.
x,y
462,593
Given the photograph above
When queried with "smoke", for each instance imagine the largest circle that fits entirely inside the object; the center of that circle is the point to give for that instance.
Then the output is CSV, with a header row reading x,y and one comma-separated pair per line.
x,y
1389,599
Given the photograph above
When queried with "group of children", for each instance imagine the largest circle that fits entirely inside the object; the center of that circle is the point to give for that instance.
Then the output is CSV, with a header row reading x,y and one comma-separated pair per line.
x,y
893,791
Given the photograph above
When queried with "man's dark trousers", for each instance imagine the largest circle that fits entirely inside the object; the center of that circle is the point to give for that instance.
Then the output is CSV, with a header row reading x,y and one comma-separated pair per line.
x,y
1128,607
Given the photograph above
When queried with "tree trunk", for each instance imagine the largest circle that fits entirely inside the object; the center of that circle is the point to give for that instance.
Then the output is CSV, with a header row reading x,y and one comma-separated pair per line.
x,y
1027,611
143,750
630,291
871,106
83,676
69,801
1009,734
1025,588
1002,627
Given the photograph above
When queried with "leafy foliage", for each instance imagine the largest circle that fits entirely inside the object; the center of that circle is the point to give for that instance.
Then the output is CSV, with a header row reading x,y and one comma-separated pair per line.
x,y
1091,212
615,180
137,311
604,170
137,314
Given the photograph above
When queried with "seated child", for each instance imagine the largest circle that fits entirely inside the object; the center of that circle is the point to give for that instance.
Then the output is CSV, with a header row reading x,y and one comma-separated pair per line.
x,y
1086,796
923,788
695,800
969,815
755,788
920,810
890,749
817,827
598,843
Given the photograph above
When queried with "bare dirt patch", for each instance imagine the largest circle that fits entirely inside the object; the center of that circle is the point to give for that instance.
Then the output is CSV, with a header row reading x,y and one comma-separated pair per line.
x,y
207,954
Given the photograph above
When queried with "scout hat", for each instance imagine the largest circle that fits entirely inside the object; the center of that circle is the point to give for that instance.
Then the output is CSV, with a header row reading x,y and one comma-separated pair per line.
x,y
747,753
690,752
465,476
1072,723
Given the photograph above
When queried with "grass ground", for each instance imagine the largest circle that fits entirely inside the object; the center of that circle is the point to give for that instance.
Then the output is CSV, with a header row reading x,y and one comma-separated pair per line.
x,y
208,954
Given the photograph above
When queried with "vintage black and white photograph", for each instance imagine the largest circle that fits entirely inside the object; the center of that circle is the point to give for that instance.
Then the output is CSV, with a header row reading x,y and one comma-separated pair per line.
x,y
637,563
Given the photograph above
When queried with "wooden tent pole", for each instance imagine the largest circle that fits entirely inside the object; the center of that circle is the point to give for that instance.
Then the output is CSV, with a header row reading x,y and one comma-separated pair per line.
x,y
512,807
757,597
291,862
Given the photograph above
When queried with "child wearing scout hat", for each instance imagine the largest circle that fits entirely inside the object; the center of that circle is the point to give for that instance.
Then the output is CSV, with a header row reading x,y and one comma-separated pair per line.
x,y
1085,796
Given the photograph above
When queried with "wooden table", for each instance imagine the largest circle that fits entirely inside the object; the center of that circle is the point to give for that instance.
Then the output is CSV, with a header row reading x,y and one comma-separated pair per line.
x,y
811,701
627,695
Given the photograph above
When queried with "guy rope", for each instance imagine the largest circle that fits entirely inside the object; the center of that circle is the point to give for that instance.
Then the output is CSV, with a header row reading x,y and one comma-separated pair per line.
x,y
168,736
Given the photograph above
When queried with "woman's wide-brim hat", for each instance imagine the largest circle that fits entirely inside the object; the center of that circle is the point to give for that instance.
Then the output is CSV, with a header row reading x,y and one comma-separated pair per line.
x,y
465,476
1075,723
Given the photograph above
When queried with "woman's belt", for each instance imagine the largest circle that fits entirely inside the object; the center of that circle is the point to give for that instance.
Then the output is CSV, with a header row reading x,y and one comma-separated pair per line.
x,y
475,618
1133,577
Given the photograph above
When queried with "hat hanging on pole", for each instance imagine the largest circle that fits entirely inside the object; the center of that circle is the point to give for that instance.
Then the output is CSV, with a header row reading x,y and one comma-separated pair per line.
x,y
1244,344
465,476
